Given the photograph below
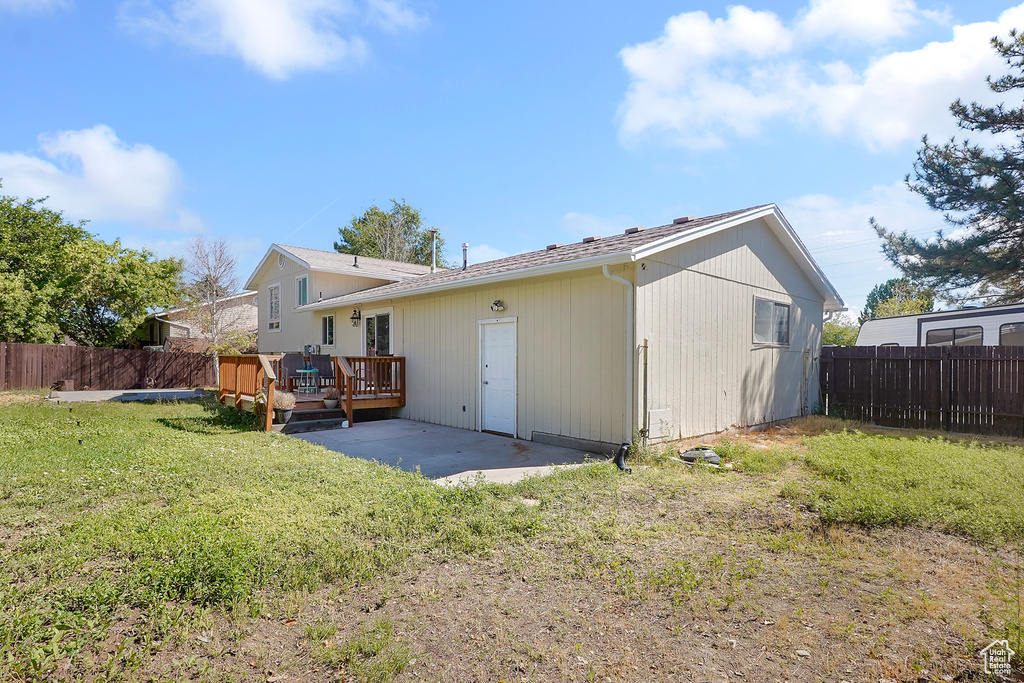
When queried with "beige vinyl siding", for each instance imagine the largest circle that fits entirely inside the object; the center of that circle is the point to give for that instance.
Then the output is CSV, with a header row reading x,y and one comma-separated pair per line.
x,y
299,328
571,355
695,305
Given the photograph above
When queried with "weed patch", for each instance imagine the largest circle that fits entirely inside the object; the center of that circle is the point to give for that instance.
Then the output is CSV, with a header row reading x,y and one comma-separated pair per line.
x,y
756,460
373,655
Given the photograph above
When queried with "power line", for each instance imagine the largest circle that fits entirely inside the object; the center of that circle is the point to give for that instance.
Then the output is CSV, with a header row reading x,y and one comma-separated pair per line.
x,y
847,245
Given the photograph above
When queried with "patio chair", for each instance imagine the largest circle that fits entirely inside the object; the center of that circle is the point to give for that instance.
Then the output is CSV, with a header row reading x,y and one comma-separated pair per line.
x,y
290,363
325,365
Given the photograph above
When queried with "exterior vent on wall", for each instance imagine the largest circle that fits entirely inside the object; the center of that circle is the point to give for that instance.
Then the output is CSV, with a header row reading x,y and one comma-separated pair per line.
x,y
588,240
554,246
682,219
633,231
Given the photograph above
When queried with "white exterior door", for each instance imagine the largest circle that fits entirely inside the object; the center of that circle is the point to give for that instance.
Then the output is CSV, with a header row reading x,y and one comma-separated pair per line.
x,y
498,377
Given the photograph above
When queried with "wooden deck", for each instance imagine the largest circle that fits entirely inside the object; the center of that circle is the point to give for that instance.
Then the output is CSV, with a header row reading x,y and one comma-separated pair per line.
x,y
362,382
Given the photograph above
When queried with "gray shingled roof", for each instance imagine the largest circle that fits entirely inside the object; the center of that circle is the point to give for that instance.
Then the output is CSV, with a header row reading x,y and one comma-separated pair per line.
x,y
603,246
332,260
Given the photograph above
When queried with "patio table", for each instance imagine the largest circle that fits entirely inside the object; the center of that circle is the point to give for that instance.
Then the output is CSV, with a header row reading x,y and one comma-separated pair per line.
x,y
307,380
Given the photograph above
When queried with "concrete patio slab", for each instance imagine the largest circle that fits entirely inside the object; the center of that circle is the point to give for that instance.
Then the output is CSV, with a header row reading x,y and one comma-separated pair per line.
x,y
125,395
447,454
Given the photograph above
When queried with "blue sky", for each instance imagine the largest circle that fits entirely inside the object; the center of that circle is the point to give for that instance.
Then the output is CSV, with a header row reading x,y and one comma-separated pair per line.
x,y
509,125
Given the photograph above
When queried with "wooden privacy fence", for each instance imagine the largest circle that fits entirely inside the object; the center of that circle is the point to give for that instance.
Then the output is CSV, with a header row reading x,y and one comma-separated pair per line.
x,y
34,366
976,389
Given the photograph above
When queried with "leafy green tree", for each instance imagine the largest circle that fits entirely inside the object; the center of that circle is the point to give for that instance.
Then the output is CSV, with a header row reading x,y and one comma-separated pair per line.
x,y
56,279
897,306
396,235
981,193
841,331
25,314
898,296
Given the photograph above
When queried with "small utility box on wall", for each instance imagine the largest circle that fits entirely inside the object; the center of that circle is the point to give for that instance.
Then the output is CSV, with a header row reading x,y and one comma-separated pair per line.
x,y
658,423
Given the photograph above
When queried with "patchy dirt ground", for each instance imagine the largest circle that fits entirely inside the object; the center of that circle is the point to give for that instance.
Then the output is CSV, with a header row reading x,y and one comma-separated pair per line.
x,y
9,397
673,575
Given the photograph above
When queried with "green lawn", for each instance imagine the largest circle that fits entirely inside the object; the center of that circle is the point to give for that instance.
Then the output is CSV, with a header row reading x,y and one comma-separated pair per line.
x,y
162,510
130,530
878,480
969,489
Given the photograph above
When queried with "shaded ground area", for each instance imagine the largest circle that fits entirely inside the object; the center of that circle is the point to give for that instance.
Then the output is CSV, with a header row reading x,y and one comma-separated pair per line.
x,y
125,395
436,451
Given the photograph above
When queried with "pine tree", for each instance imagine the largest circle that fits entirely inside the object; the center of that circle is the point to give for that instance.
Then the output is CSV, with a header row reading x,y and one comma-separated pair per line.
x,y
979,190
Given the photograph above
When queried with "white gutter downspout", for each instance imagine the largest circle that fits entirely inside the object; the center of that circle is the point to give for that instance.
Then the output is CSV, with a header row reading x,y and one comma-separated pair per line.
x,y
630,346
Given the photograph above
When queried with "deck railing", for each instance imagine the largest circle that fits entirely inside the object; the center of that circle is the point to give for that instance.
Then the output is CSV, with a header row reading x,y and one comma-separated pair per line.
x,y
372,381
378,376
243,377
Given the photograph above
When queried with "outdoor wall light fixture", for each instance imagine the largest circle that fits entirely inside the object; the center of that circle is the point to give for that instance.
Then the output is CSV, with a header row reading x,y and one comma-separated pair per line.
x,y
355,317
498,305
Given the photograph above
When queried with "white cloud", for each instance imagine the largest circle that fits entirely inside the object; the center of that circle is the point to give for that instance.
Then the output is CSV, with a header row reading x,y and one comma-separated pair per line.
x,y
586,225
837,234
91,174
394,16
871,21
276,37
483,252
701,96
33,6
677,75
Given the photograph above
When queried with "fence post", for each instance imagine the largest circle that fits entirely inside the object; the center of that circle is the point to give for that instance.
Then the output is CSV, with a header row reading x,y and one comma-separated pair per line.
x,y
268,419
238,386
3,366
873,377
946,378
824,378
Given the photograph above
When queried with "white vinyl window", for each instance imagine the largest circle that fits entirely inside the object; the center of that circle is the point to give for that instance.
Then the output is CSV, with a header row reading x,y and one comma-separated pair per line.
x,y
301,290
771,322
274,307
327,330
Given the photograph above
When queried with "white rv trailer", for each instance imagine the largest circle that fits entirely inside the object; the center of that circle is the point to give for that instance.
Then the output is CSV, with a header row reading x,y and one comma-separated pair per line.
x,y
989,326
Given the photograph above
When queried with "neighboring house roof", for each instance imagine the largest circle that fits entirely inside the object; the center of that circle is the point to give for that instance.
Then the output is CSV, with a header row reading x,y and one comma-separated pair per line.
x,y
631,246
333,262
172,311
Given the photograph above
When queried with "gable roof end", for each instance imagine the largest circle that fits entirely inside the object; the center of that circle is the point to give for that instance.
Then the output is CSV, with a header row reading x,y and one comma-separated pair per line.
x,y
333,262
783,231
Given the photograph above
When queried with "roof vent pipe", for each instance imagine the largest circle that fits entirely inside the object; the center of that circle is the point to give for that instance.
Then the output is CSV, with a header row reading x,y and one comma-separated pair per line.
x,y
433,250
355,261
465,255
